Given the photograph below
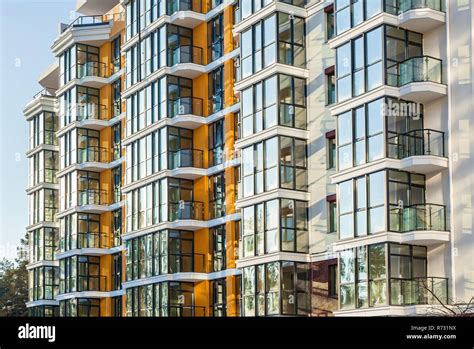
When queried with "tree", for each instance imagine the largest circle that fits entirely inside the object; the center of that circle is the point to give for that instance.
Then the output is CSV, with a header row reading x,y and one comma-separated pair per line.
x,y
14,283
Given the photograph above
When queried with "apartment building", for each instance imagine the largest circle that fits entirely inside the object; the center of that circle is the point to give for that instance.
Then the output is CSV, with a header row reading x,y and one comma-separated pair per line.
x,y
252,158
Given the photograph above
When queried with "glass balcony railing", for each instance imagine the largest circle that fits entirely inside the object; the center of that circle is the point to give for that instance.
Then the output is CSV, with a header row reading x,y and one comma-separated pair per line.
x,y
92,197
186,263
215,104
217,208
185,158
47,292
92,154
186,210
185,54
185,106
184,5
92,240
97,69
407,5
91,111
415,69
185,310
419,291
416,142
418,217
43,93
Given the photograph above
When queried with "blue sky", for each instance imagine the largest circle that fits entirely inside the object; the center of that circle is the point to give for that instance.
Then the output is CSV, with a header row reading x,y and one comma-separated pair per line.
x,y
27,30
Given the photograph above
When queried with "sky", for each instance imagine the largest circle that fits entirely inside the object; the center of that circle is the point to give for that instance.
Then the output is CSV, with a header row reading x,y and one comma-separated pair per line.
x,y
27,31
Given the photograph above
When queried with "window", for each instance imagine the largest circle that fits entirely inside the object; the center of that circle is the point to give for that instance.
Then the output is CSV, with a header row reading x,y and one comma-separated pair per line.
x,y
218,248
117,271
43,243
331,149
117,183
332,280
88,149
361,208
116,306
116,97
259,43
332,213
43,283
217,196
330,85
219,298
329,11
215,38
216,90
350,13
263,107
116,54
263,231
80,273
216,143
277,288
117,226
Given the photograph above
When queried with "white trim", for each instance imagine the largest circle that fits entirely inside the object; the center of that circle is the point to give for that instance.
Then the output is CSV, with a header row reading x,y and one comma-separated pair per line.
x,y
418,237
273,131
42,302
43,263
40,104
183,277
391,310
98,209
40,148
273,194
182,224
90,294
273,257
91,166
275,68
42,185
42,225
420,164
90,251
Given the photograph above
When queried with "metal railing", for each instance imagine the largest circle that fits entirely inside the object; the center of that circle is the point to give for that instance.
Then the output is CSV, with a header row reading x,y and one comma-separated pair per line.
x,y
186,210
92,154
184,5
184,106
186,262
418,217
422,290
97,69
416,142
43,93
92,197
185,54
84,21
185,158
83,283
217,208
415,69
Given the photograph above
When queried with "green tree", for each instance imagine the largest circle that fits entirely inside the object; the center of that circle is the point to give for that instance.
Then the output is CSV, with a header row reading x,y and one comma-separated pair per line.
x,y
14,283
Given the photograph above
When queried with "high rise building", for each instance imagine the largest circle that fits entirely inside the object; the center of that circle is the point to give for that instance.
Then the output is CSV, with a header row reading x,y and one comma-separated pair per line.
x,y
253,158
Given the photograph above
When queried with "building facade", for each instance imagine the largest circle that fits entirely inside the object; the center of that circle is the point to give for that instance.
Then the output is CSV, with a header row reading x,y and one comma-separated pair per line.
x,y
252,158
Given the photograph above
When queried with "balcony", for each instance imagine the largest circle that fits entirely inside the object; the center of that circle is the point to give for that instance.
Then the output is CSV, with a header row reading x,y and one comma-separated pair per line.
x,y
93,30
186,210
186,61
84,284
421,151
186,263
422,224
419,291
421,15
186,13
93,158
93,200
93,74
185,162
420,78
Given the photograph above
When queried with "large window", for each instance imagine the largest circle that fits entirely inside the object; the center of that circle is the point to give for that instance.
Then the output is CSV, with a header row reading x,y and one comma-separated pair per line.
x,y
164,299
217,196
81,273
43,205
278,162
218,248
216,90
216,143
249,7
278,38
43,243
276,225
82,230
162,252
42,128
43,283
278,288
280,99
366,280
81,307
350,13
215,38
219,298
